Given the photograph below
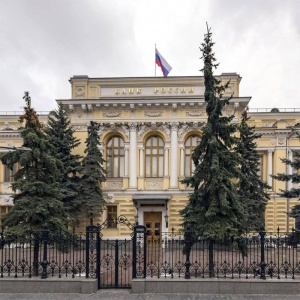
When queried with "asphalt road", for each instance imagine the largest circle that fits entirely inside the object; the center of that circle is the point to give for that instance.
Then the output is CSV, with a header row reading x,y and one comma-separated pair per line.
x,y
126,295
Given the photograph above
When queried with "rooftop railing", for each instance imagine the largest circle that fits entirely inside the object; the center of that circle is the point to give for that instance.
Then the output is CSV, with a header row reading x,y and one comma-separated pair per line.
x,y
19,113
273,110
251,110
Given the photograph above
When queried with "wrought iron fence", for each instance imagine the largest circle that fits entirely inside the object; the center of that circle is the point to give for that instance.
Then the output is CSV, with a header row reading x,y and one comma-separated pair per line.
x,y
174,255
43,254
266,255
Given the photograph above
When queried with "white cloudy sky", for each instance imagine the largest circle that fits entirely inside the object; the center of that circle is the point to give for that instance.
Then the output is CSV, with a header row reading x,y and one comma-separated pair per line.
x,y
45,42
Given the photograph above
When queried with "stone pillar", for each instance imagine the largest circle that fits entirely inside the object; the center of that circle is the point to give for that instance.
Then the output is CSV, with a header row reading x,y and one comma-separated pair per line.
x,y
173,153
133,156
141,156
166,171
126,163
181,147
270,167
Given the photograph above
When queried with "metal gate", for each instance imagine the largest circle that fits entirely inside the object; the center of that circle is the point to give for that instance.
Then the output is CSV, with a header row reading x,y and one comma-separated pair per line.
x,y
114,262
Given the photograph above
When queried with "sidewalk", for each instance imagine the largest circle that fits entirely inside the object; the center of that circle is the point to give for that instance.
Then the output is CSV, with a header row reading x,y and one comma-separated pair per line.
x,y
126,295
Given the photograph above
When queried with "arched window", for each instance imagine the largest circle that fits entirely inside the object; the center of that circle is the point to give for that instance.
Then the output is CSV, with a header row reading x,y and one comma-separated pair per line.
x,y
190,143
115,157
154,150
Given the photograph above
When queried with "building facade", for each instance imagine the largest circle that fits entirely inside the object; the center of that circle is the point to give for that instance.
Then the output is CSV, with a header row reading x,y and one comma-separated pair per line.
x,y
149,128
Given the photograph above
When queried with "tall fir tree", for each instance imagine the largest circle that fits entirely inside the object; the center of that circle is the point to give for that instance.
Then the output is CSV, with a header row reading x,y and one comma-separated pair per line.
x,y
61,136
252,190
295,179
93,174
214,209
37,198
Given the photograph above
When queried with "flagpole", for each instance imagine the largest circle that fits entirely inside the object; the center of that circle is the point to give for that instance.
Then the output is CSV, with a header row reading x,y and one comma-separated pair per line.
x,y
155,61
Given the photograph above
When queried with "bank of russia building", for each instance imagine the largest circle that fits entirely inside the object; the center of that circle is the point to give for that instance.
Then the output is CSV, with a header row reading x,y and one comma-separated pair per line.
x,y
149,127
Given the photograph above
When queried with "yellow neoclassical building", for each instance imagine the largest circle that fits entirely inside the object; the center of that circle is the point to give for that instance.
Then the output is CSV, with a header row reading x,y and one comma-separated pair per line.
x,y
149,127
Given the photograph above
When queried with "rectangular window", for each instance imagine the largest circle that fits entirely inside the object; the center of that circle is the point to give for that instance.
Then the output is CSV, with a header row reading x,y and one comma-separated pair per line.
x,y
112,215
8,173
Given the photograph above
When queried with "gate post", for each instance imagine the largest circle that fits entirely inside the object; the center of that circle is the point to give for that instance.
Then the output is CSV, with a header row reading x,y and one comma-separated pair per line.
x,y
44,263
263,264
92,261
139,252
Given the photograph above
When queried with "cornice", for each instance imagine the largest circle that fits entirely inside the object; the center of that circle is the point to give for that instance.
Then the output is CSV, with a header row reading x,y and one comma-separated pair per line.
x,y
10,135
275,132
146,103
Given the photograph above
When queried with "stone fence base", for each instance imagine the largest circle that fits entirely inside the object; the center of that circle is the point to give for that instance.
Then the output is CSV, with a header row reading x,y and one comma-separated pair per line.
x,y
49,285
216,286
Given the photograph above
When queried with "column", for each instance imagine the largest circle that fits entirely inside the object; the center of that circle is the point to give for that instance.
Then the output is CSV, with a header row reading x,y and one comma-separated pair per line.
x,y
132,153
166,171
181,147
141,156
289,170
173,150
270,167
126,163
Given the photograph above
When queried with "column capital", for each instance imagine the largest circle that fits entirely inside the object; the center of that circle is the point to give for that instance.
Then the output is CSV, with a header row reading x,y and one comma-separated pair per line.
x,y
132,126
174,125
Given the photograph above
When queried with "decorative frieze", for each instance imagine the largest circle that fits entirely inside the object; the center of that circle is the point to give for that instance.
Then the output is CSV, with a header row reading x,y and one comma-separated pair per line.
x,y
153,114
154,184
80,127
112,114
114,185
194,113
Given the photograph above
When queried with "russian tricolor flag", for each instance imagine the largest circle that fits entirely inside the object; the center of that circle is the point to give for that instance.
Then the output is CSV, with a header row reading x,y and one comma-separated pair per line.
x,y
161,62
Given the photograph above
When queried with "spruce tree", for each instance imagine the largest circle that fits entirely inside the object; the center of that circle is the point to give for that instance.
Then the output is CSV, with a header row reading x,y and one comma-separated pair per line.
x,y
251,189
37,198
295,179
214,209
93,174
61,136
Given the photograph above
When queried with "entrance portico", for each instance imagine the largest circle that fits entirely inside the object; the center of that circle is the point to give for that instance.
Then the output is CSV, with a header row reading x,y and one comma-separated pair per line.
x,y
152,211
